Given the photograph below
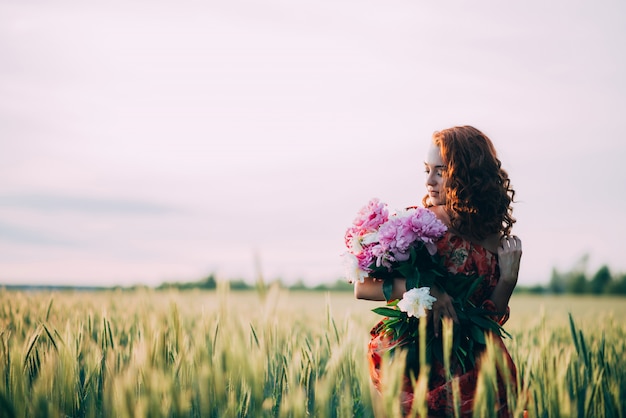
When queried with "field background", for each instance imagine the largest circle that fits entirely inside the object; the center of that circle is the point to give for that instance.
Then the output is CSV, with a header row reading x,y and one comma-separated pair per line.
x,y
273,353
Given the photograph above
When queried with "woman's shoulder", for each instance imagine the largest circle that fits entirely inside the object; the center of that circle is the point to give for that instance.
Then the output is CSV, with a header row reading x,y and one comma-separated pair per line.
x,y
490,243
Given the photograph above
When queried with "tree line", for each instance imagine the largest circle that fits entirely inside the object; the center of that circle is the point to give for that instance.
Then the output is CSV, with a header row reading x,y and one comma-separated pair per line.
x,y
602,282
575,281
210,282
578,282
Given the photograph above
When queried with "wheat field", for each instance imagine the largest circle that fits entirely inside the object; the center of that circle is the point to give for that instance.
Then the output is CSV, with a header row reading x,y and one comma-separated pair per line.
x,y
275,353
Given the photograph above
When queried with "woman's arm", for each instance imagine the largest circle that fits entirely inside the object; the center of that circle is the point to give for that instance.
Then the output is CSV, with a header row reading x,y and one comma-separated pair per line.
x,y
372,289
509,256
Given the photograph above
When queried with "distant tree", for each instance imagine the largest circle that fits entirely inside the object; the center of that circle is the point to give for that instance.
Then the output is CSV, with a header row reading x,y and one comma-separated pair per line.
x,y
208,283
600,281
239,285
299,285
577,283
339,286
557,282
617,286
165,286
536,289
343,285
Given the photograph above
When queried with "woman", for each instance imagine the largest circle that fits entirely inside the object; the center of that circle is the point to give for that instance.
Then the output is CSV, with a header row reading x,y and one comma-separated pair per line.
x,y
469,192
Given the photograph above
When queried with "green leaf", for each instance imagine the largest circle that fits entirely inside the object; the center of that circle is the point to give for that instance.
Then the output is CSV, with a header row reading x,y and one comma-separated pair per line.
x,y
487,323
385,311
391,322
477,334
484,322
406,270
393,302
403,328
427,278
387,289
412,282
413,255
462,351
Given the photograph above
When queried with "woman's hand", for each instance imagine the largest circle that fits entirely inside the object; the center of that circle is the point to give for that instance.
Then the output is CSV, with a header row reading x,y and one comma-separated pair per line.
x,y
442,308
509,256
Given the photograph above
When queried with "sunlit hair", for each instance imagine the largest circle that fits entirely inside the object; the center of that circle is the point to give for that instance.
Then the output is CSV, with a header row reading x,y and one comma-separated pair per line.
x,y
478,191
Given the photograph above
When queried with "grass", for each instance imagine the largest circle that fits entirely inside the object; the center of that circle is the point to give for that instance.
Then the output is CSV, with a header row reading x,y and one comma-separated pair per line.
x,y
274,354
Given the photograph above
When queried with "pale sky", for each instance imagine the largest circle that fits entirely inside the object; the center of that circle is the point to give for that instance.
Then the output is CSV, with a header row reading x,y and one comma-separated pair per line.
x,y
149,141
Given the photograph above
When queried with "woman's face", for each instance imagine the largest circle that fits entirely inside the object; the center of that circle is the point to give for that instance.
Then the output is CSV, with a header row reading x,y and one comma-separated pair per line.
x,y
435,168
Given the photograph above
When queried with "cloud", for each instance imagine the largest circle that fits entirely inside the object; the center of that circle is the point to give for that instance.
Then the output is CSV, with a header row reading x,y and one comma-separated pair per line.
x,y
20,235
87,205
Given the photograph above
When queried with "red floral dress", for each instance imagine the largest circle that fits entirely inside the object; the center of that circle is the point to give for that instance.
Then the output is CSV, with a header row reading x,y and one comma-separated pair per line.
x,y
465,257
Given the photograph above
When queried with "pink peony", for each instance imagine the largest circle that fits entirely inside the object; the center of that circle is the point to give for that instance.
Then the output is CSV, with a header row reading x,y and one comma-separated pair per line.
x,y
402,230
351,234
371,216
365,258
396,234
377,236
426,225
383,256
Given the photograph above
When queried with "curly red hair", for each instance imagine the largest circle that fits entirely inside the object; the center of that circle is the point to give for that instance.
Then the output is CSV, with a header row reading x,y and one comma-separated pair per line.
x,y
478,190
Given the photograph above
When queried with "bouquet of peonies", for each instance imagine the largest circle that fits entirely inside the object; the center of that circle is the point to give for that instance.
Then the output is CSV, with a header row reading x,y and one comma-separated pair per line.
x,y
402,244
398,245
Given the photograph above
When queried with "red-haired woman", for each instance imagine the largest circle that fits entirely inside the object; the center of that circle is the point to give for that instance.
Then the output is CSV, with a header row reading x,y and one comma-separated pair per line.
x,y
470,192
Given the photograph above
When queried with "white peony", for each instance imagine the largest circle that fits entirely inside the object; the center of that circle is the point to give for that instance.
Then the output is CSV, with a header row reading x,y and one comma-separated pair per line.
x,y
351,268
369,238
355,244
415,302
